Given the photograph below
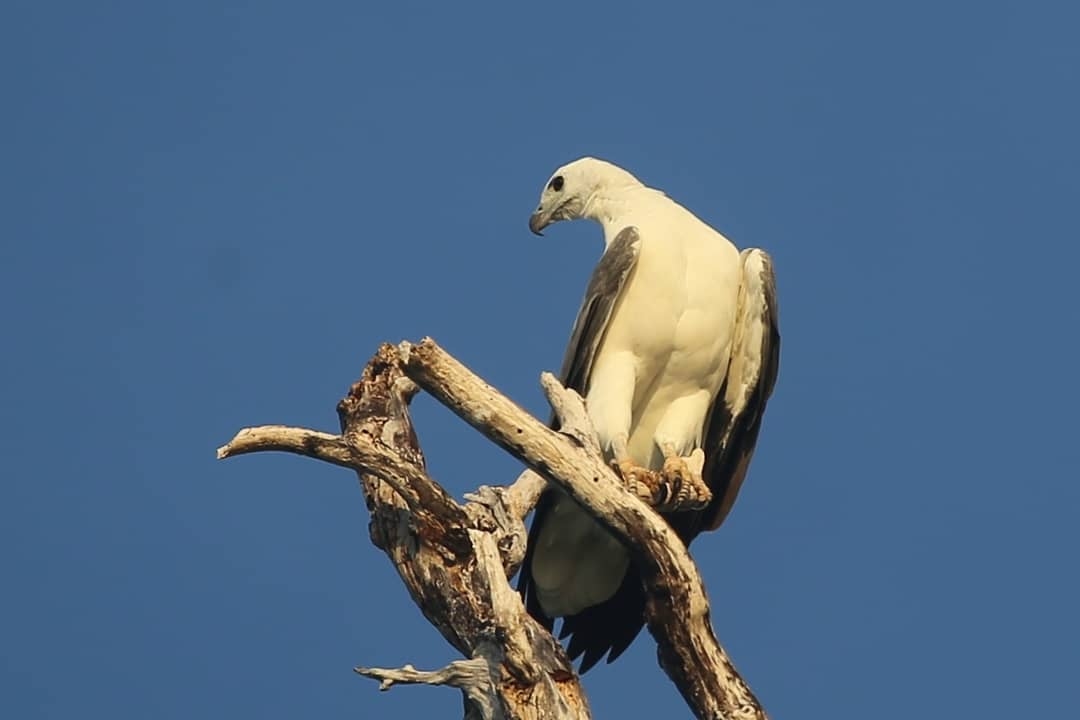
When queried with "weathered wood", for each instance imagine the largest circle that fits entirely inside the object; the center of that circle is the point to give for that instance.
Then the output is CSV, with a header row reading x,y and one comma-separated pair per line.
x,y
452,559
456,560
470,676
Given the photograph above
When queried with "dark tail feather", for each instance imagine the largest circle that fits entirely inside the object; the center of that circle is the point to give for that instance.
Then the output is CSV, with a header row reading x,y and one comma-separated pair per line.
x,y
525,580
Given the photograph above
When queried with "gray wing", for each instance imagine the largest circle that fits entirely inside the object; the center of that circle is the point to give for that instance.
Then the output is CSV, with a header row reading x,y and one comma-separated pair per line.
x,y
735,419
601,628
602,294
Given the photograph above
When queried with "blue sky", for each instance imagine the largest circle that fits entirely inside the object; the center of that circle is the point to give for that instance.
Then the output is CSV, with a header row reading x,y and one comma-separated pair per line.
x,y
212,213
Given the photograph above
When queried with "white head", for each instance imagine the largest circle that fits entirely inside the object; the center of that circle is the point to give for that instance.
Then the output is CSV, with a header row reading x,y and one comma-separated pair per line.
x,y
576,190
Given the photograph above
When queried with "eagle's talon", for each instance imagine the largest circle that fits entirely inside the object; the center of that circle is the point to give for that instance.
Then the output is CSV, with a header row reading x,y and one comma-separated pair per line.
x,y
683,476
640,481
677,486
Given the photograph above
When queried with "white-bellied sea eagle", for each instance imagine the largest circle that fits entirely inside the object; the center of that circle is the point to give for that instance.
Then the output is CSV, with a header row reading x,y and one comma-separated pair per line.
x,y
675,350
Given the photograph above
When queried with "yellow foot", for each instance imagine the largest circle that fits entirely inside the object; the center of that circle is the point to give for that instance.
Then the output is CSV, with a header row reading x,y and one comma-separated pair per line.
x,y
630,471
639,480
684,488
678,486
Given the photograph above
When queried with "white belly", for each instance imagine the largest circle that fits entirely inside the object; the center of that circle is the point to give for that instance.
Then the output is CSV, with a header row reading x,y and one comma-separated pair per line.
x,y
676,322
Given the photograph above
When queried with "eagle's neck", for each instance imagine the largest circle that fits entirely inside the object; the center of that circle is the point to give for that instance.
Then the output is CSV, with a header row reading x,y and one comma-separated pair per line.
x,y
611,208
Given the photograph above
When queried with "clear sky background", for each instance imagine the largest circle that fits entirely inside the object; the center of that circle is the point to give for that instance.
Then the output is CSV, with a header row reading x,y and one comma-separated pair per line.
x,y
213,213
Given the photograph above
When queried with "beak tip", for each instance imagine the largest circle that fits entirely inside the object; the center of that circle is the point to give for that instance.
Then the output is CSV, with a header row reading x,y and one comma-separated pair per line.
x,y
536,224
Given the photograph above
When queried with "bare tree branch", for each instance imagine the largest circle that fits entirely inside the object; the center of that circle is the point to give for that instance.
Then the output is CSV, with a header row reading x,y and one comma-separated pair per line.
x,y
452,559
507,507
319,445
455,560
469,676
524,493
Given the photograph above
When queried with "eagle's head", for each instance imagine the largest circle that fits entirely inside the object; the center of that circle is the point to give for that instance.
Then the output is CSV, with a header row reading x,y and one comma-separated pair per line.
x,y
573,190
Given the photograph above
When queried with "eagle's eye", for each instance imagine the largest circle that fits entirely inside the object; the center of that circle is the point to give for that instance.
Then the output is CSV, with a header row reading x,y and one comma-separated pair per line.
x,y
556,183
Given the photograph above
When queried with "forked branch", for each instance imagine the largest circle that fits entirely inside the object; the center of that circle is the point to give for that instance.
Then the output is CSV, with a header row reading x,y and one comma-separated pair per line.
x,y
445,551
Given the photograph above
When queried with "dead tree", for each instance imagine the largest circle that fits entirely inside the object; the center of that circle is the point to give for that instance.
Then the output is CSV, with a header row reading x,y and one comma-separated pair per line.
x,y
456,560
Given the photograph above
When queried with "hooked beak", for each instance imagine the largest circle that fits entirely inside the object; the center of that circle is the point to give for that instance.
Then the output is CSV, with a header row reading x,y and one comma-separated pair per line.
x,y
538,221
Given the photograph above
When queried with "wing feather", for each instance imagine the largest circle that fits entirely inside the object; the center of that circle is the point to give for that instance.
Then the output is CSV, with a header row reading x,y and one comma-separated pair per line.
x,y
735,420
601,296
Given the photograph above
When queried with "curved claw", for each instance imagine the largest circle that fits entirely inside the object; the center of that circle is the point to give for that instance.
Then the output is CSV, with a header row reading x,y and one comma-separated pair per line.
x,y
639,480
688,490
